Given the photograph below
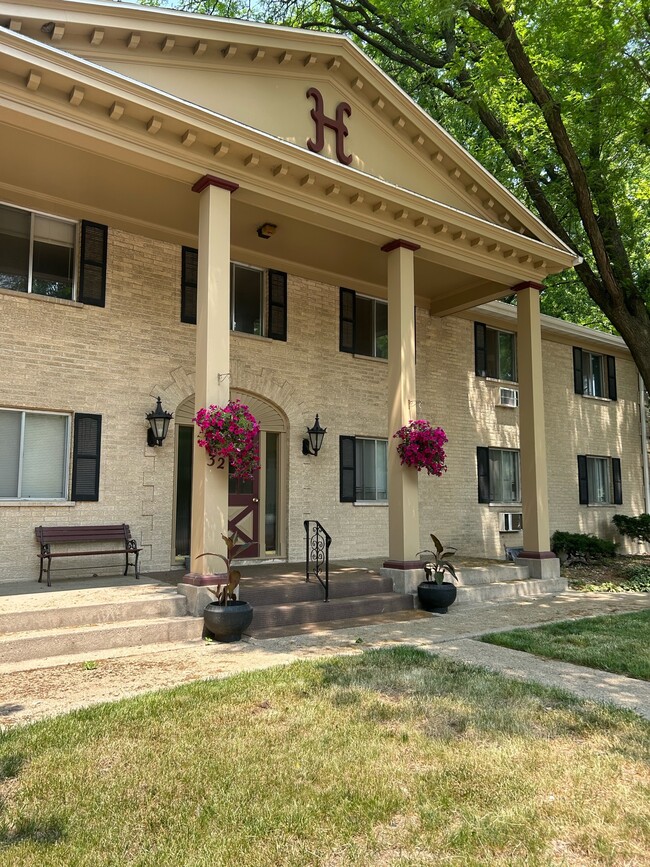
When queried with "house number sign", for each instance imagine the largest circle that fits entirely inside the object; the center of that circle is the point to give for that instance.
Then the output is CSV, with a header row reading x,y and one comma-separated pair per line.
x,y
337,124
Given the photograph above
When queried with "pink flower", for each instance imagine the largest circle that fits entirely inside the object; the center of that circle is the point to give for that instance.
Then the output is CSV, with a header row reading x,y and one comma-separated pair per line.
x,y
230,432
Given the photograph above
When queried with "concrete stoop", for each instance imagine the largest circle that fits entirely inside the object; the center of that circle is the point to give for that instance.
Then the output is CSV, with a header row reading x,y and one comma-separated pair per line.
x,y
56,627
508,591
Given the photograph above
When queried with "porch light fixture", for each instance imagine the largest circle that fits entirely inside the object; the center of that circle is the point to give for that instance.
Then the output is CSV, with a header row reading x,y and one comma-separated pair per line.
x,y
158,424
266,230
313,445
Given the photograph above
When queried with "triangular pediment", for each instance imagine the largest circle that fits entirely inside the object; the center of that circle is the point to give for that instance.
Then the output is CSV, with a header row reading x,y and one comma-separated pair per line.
x,y
260,76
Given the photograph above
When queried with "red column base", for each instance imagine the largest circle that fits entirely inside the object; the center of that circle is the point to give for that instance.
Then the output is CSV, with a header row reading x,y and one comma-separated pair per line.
x,y
196,579
403,564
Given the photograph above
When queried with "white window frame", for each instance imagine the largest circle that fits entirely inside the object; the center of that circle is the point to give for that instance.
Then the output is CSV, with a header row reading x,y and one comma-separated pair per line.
x,y
30,268
66,457
588,381
498,375
263,301
359,464
375,302
516,501
607,461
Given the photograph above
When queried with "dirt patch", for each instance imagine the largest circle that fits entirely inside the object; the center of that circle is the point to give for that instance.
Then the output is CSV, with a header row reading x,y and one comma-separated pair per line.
x,y
607,574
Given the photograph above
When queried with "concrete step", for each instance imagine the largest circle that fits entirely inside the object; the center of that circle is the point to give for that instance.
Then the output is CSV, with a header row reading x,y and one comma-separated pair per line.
x,y
45,643
509,590
478,575
289,614
325,626
283,591
36,620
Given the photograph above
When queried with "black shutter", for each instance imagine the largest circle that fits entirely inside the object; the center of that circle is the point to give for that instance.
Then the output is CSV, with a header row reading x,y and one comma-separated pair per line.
x,y
85,456
583,481
483,466
347,455
346,319
611,378
94,245
277,305
480,353
578,385
618,481
189,282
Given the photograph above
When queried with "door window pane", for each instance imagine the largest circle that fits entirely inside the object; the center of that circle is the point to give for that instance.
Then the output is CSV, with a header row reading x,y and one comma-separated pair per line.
x,y
271,493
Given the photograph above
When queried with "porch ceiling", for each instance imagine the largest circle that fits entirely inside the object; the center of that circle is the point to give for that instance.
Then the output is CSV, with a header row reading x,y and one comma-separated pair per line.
x,y
50,174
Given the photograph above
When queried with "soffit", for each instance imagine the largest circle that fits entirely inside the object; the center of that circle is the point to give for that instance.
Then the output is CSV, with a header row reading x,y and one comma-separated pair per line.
x,y
259,74
55,93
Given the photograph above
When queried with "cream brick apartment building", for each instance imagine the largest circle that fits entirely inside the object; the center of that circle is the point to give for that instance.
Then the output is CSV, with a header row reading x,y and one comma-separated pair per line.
x,y
144,155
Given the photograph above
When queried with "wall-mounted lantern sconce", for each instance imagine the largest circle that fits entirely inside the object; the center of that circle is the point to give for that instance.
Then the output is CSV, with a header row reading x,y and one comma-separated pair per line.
x,y
158,424
313,445
266,230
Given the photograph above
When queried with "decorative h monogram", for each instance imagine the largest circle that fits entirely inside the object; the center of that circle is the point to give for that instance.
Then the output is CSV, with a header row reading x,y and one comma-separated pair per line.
x,y
337,124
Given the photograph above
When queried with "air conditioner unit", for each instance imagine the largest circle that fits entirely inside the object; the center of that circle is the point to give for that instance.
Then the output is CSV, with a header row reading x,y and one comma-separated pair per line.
x,y
508,397
510,522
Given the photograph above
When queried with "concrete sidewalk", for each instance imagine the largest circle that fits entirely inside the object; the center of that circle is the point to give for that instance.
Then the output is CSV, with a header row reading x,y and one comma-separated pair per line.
x,y
31,691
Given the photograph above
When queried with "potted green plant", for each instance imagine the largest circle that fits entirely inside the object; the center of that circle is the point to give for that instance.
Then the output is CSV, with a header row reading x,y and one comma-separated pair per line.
x,y
227,617
434,593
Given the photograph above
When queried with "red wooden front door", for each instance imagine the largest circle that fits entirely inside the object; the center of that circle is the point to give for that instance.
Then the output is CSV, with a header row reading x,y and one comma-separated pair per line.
x,y
244,513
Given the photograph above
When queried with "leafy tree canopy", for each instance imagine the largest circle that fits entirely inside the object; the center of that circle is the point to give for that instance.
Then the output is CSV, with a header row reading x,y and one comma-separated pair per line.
x,y
553,98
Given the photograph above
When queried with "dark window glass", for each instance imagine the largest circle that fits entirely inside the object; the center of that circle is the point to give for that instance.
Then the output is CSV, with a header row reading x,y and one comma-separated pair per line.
x,y
364,336
15,229
500,355
381,329
271,493
246,302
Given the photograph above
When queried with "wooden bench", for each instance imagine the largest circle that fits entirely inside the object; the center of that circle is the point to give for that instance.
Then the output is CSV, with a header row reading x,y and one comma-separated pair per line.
x,y
119,534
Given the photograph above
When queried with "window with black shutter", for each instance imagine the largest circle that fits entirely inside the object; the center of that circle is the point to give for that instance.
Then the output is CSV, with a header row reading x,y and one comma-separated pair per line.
x,y
599,480
363,324
86,457
94,247
495,353
594,374
189,277
498,475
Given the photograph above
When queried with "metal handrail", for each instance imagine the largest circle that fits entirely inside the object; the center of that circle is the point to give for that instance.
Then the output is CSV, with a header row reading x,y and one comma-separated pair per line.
x,y
317,551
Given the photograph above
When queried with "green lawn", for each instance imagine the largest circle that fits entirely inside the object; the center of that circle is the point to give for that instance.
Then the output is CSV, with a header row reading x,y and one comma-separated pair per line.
x,y
388,758
617,642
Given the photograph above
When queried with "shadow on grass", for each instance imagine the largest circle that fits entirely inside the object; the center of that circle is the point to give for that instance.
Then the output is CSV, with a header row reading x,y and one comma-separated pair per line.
x,y
43,830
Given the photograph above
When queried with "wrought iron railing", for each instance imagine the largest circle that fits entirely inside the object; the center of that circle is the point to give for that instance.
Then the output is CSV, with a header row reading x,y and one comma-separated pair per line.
x,y
317,555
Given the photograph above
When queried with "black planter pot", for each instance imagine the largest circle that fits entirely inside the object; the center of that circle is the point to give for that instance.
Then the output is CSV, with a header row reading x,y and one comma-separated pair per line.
x,y
227,622
436,597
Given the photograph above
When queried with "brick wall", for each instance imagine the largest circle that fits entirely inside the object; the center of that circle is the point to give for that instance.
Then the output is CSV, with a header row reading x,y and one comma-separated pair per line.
x,y
115,360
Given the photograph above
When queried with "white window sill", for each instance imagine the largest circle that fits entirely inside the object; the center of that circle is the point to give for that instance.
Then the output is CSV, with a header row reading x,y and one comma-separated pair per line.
x,y
597,398
511,507
603,506
364,503
371,358
248,336
41,504
509,532
23,296
502,383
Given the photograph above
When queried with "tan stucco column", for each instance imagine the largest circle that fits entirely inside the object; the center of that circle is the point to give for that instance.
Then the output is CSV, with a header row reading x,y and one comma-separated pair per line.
x,y
210,484
403,511
532,436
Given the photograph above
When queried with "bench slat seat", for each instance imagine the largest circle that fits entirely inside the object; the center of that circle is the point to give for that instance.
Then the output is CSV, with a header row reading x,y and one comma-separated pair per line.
x,y
48,536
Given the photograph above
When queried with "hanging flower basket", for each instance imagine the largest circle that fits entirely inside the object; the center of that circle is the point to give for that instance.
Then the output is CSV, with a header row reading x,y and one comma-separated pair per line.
x,y
422,446
230,432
